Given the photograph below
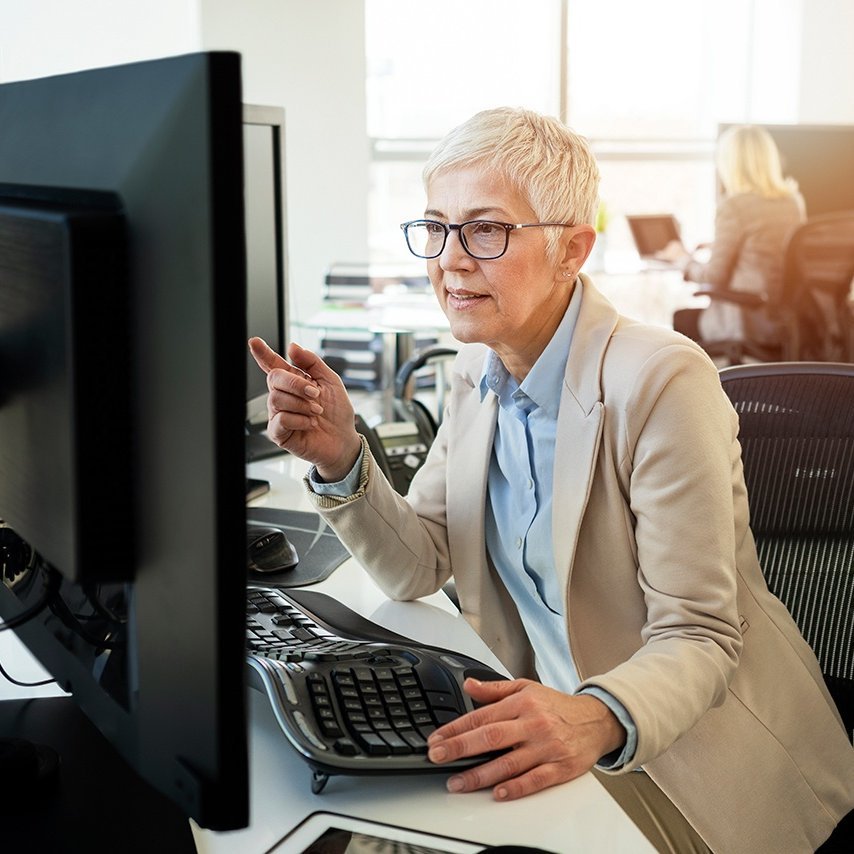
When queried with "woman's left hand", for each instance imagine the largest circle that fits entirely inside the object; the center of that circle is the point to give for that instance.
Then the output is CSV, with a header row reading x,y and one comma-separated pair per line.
x,y
550,737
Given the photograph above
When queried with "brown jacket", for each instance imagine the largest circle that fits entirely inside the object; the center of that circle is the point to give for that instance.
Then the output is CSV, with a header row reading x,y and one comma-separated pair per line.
x,y
667,606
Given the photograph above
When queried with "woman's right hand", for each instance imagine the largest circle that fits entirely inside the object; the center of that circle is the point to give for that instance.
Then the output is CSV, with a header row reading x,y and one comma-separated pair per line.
x,y
309,411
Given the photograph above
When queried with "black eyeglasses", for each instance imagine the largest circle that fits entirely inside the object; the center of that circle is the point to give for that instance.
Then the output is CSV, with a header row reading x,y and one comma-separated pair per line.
x,y
483,239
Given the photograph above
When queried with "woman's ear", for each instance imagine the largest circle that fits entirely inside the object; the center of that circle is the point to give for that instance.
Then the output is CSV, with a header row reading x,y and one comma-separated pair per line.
x,y
576,244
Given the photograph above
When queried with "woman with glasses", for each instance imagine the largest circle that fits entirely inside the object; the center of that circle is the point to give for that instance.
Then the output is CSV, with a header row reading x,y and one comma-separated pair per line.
x,y
585,493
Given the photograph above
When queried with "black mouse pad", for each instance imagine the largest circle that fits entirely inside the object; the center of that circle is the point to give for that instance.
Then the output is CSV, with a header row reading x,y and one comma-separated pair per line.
x,y
319,550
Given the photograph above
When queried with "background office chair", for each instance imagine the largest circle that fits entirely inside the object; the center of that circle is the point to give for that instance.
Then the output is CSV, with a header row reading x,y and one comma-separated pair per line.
x,y
428,369
797,438
810,309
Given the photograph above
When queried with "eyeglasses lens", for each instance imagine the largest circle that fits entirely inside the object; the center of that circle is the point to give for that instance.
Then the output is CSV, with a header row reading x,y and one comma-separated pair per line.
x,y
426,239
484,239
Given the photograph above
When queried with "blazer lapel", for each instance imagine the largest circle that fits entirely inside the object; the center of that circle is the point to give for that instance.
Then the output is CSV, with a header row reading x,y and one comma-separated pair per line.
x,y
468,467
579,427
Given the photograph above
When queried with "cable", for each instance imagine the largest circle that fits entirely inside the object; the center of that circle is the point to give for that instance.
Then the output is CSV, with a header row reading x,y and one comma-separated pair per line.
x,y
93,595
24,684
52,583
64,613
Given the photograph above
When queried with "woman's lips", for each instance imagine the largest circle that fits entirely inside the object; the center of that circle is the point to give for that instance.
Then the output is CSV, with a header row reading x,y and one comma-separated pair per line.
x,y
464,300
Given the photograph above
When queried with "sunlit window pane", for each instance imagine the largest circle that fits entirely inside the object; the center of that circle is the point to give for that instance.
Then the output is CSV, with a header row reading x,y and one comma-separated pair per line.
x,y
657,69
432,65
647,83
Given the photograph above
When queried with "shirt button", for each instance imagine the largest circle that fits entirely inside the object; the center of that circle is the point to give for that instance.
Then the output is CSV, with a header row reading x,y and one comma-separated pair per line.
x,y
530,484
518,542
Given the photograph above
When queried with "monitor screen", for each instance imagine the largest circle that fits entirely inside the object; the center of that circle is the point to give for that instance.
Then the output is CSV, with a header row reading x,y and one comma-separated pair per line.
x,y
266,263
122,410
821,159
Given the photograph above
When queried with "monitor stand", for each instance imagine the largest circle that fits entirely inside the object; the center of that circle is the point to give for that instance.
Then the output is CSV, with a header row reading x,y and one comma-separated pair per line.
x,y
97,804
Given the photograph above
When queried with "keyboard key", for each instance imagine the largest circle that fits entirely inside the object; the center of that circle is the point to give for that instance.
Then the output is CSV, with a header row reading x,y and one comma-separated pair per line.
x,y
396,743
303,634
414,740
441,700
321,656
436,679
373,744
412,694
345,747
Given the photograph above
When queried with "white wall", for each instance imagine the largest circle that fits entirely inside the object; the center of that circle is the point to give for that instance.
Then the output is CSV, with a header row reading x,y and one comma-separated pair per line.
x,y
304,55
827,63
43,37
308,57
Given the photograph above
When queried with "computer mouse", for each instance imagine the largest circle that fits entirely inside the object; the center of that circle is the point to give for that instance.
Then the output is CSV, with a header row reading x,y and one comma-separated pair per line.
x,y
269,550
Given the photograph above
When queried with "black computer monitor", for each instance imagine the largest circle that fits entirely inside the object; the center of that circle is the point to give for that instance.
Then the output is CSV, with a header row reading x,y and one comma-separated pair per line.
x,y
122,413
821,159
266,270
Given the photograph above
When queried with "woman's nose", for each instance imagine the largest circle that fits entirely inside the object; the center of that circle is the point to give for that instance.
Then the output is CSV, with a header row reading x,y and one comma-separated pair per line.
x,y
454,255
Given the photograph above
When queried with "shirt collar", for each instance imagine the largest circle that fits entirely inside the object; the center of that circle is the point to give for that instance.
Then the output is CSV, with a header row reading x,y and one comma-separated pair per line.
x,y
544,382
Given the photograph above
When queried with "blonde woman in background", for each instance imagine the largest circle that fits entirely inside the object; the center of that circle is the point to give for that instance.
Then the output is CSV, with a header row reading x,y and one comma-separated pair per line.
x,y
758,212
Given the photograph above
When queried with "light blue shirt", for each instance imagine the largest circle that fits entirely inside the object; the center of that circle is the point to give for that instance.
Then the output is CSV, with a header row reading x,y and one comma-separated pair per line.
x,y
519,511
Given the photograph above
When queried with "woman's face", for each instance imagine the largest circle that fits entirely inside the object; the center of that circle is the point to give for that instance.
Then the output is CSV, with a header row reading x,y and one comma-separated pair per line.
x,y
514,303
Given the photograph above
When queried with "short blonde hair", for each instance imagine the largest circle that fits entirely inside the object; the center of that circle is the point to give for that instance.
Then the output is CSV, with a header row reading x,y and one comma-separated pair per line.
x,y
748,161
549,164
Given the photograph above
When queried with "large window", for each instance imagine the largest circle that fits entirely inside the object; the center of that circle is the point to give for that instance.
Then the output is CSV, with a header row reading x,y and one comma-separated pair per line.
x,y
646,83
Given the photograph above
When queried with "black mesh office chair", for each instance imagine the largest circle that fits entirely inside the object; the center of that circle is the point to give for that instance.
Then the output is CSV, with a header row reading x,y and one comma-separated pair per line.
x,y
810,310
797,438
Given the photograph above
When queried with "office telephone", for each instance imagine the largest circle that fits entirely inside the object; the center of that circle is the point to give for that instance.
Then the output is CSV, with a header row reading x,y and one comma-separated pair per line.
x,y
400,447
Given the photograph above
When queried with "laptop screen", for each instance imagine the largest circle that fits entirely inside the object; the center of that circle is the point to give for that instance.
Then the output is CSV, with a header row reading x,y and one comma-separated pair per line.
x,y
652,232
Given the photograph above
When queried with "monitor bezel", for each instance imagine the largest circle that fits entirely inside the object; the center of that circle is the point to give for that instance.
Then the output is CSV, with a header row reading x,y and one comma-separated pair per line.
x,y
273,118
183,729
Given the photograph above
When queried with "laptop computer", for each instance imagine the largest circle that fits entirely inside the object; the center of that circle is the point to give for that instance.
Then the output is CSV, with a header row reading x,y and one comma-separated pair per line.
x,y
652,233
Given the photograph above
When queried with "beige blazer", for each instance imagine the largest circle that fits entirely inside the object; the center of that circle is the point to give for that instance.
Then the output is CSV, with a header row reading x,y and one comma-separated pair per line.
x,y
667,607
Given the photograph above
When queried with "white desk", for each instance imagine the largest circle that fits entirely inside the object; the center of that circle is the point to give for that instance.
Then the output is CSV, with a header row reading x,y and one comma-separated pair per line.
x,y
575,817
649,295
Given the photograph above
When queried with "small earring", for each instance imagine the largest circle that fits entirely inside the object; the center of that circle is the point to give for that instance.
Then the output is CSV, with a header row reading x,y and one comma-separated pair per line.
x,y
567,273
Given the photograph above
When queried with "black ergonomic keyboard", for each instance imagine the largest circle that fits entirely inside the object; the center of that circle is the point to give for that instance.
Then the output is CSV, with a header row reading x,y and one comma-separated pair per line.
x,y
349,695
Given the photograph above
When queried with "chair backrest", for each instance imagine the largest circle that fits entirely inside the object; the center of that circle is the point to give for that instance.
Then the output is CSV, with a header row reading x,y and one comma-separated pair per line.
x,y
427,412
817,275
797,438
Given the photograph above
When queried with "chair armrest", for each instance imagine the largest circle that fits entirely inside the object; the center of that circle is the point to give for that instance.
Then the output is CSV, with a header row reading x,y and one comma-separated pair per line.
x,y
743,298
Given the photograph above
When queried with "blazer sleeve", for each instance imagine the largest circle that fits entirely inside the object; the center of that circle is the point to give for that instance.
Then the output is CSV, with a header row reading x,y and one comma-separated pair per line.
x,y
680,471
406,552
